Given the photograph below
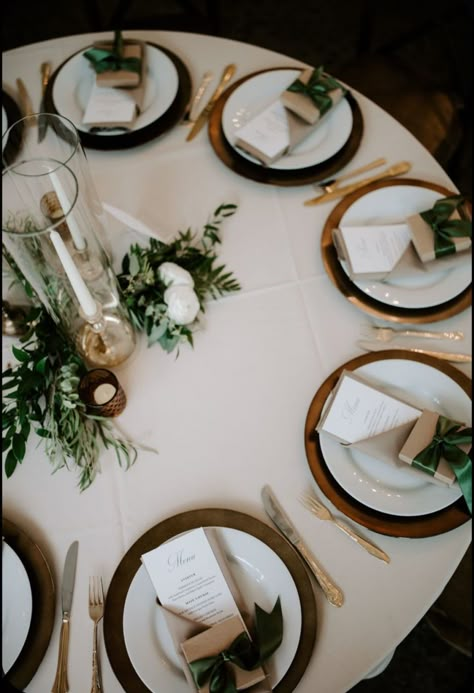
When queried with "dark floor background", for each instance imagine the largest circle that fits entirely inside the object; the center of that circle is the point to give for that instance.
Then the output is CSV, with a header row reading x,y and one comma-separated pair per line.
x,y
414,58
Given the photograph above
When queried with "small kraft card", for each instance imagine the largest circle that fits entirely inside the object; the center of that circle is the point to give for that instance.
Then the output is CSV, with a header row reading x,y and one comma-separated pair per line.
x,y
424,240
420,437
358,410
372,251
188,580
211,642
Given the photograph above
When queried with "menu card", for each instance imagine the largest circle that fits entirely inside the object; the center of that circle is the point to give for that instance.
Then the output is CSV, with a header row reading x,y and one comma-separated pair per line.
x,y
188,579
110,107
371,251
358,410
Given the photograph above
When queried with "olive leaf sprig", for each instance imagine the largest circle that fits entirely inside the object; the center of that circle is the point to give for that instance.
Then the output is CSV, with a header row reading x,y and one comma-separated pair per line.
x,y
42,390
143,289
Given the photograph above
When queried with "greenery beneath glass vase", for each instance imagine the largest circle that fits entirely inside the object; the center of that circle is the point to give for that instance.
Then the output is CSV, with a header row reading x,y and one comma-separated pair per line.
x,y
41,391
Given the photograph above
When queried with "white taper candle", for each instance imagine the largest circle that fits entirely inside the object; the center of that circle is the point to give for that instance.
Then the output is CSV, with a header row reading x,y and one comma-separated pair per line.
x,y
86,301
77,237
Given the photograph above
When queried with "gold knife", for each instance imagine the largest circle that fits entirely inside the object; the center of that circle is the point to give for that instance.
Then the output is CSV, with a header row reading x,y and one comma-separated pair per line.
x,y
25,100
228,73
454,357
395,170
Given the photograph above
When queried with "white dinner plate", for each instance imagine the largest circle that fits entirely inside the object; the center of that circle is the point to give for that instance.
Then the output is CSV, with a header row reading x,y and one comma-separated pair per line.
x,y
394,204
258,92
17,606
261,577
74,81
399,491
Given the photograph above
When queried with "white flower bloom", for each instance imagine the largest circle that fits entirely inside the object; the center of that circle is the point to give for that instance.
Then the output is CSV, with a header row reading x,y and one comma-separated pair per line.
x,y
172,274
183,304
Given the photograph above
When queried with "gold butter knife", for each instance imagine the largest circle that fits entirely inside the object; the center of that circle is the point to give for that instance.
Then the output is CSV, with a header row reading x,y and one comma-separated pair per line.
x,y
227,75
454,357
25,100
395,170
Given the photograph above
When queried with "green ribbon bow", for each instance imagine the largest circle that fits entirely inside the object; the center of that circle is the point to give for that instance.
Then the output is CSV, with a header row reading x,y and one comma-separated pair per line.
x,y
103,60
449,434
444,228
242,652
318,87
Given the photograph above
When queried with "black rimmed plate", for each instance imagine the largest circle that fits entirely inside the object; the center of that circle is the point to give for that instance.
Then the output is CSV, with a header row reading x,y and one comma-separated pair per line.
x,y
305,166
408,525
437,296
11,113
167,93
123,588
43,607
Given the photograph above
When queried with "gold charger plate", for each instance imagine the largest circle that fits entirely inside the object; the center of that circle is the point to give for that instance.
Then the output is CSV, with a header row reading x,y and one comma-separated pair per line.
x,y
263,174
44,604
358,297
417,526
209,517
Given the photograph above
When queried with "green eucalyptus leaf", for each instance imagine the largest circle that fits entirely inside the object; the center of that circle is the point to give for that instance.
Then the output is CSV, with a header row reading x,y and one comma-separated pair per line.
x,y
20,354
10,464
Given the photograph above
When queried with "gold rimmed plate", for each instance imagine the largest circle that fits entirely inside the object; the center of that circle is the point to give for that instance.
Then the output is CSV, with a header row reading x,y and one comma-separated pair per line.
x,y
11,113
43,605
167,94
439,296
244,166
384,366
130,674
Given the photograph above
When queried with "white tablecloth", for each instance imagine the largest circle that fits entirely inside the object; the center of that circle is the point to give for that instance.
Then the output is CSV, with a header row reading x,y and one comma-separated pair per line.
x,y
227,416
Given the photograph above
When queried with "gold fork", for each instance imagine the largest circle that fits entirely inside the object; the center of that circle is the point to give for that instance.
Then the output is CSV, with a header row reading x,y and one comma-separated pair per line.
x,y
386,334
96,612
323,513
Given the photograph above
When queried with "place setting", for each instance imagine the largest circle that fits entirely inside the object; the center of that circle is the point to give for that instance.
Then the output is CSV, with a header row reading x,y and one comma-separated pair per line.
x,y
400,250
125,92
286,126
387,437
28,605
191,586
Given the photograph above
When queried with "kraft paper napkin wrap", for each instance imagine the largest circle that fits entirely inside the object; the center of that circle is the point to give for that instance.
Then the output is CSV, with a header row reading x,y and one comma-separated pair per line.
x,y
181,629
386,447
423,238
303,105
132,48
408,266
419,438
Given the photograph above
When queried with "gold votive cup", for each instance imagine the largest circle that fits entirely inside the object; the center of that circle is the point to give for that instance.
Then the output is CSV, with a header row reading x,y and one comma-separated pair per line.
x,y
102,393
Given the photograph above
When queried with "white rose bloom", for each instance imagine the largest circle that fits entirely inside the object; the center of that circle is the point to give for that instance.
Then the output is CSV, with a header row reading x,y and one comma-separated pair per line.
x,y
172,274
183,304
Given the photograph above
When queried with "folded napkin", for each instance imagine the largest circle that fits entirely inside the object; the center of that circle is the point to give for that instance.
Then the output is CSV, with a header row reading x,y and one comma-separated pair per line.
x,y
118,93
395,251
183,631
277,129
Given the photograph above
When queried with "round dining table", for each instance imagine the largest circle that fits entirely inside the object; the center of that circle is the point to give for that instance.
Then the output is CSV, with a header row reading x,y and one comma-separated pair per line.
x,y
227,416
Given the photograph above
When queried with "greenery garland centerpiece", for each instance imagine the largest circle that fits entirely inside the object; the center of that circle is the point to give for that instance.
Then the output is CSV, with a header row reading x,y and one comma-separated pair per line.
x,y
165,286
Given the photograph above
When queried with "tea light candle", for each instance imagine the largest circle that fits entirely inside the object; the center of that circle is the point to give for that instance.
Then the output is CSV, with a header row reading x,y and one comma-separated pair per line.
x,y
104,393
76,234
86,301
